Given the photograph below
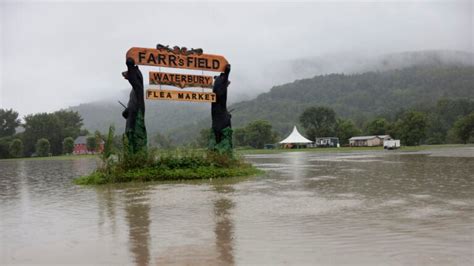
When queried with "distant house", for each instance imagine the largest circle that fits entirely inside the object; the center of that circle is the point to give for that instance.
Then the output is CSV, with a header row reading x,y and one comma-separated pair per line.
x,y
368,141
80,146
327,142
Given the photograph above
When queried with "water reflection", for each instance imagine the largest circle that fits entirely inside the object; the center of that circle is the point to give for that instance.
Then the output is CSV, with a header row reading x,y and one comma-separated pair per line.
x,y
224,227
137,213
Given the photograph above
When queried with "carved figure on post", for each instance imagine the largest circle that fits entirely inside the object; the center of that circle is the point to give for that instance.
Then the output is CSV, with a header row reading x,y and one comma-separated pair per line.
x,y
221,134
135,130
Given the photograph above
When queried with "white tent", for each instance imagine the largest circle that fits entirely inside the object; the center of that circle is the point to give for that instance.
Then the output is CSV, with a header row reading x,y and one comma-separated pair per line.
x,y
296,138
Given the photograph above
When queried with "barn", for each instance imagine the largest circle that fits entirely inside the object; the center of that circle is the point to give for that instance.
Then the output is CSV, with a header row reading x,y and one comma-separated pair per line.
x,y
80,146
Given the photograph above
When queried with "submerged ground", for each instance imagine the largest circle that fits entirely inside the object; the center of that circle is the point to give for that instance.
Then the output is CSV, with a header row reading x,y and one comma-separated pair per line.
x,y
364,207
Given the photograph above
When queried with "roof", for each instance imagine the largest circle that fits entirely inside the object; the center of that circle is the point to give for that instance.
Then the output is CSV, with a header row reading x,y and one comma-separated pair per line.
x,y
295,137
83,140
370,137
80,140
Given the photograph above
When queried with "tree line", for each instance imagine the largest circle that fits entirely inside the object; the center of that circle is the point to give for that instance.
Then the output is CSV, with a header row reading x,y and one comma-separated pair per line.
x,y
449,121
42,134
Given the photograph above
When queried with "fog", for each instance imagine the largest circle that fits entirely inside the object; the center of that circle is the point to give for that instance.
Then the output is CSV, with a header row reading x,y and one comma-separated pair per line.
x,y
54,55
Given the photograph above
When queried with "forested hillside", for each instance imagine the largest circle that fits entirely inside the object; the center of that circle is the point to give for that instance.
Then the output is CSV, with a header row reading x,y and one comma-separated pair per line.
x,y
359,96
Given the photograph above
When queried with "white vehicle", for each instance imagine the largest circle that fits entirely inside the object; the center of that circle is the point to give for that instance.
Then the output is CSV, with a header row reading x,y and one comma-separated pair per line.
x,y
391,144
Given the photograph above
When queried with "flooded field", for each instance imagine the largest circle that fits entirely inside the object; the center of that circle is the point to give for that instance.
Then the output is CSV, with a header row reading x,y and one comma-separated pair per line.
x,y
364,208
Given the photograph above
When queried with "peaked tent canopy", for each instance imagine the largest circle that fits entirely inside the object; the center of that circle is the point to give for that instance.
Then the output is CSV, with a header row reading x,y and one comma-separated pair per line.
x,y
295,137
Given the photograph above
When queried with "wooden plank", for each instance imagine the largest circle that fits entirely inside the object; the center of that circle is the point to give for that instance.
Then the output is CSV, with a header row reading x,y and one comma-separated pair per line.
x,y
185,96
180,80
165,58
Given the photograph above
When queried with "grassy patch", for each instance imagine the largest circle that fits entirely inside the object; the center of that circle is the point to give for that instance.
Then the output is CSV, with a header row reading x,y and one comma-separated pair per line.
x,y
168,166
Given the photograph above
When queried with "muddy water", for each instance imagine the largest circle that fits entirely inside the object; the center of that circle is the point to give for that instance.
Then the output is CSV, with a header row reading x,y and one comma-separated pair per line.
x,y
367,208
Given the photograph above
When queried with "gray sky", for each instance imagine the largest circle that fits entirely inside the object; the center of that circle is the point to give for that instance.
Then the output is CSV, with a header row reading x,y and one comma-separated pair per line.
x,y
58,54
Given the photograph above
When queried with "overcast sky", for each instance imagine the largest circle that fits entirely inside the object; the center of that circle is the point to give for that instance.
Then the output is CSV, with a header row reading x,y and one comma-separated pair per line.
x,y
58,54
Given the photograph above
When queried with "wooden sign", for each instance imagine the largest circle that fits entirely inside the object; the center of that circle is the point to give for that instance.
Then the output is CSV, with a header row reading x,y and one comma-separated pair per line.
x,y
186,96
178,58
180,80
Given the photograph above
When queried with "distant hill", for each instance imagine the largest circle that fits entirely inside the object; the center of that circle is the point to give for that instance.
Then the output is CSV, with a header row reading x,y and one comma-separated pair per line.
x,y
380,85
358,96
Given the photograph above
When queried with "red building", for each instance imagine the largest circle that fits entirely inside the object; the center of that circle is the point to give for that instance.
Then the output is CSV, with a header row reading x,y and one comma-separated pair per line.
x,y
80,146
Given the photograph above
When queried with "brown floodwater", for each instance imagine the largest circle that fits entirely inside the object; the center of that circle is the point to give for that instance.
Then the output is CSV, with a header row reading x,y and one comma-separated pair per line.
x,y
361,208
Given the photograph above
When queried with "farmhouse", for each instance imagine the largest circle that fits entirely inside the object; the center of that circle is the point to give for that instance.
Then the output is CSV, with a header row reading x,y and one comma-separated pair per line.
x,y
80,146
368,141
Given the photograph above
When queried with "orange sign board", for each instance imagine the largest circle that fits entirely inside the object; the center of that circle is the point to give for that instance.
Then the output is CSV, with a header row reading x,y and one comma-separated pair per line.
x,y
186,96
167,58
180,80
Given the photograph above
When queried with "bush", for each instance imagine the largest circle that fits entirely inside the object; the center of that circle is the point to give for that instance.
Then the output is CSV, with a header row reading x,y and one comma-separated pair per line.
x,y
16,148
68,145
42,147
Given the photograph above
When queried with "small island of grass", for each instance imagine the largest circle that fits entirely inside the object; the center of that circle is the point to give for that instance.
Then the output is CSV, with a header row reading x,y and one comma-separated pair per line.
x,y
164,166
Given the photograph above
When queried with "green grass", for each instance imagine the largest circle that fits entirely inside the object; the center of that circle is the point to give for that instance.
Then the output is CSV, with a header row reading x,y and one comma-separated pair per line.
x,y
162,165
162,174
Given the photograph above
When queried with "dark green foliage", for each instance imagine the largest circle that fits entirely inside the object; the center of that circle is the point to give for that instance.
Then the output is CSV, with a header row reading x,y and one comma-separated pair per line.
x,y
5,147
68,145
109,147
464,128
225,146
256,134
8,122
359,97
345,129
377,126
240,137
91,143
442,117
16,148
411,128
42,147
318,122
53,126
177,165
137,137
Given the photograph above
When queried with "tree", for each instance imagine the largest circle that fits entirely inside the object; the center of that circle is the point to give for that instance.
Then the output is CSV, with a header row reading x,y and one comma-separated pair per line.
x,y
240,137
411,128
345,129
70,122
377,126
53,126
109,147
259,133
68,145
8,122
42,147
91,143
318,122
464,128
16,148
5,147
